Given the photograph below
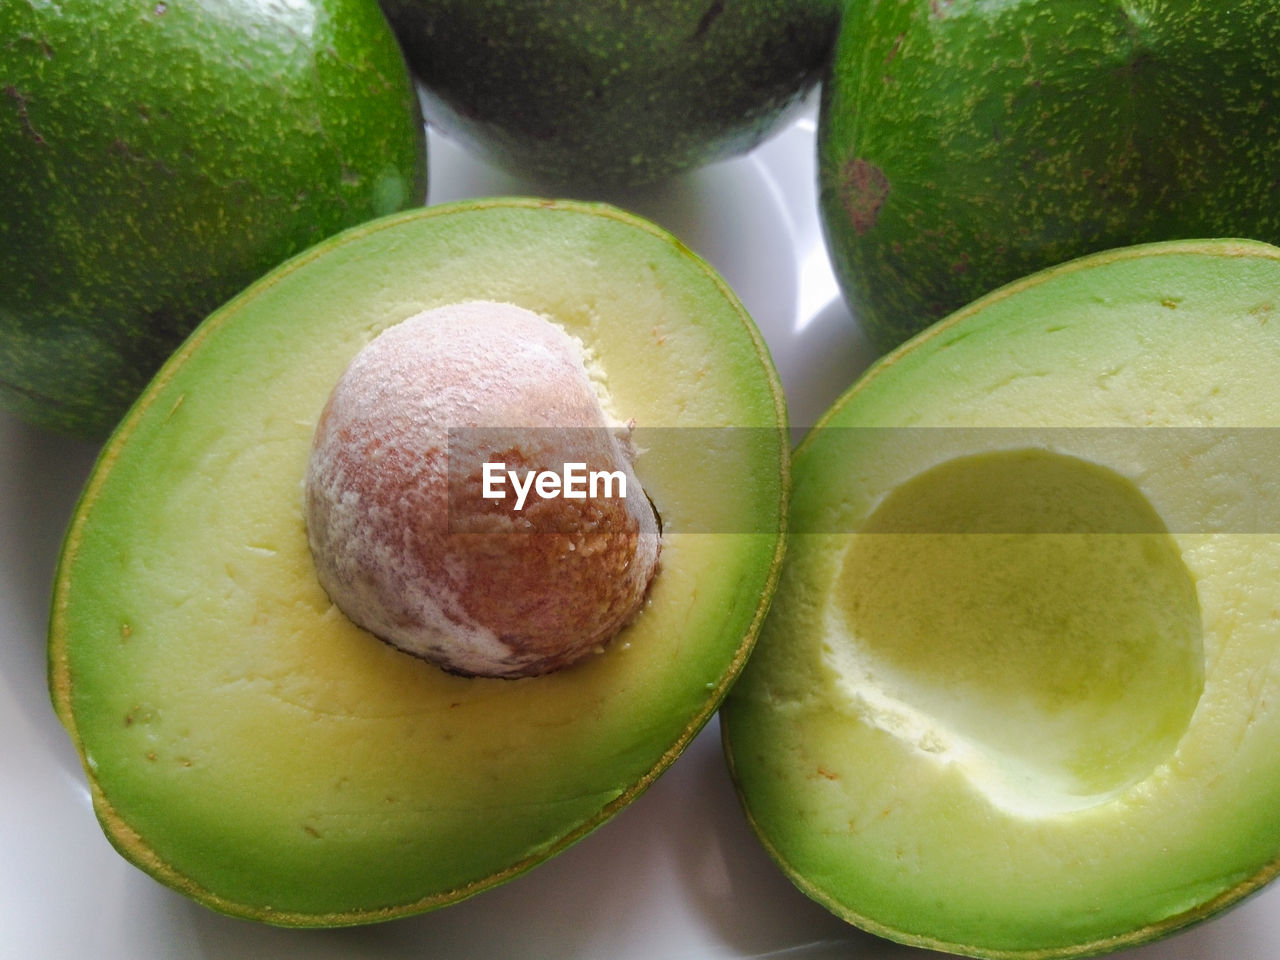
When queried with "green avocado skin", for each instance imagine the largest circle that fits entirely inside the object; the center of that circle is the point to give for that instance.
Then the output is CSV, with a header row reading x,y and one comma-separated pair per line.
x,y
965,144
160,155
612,93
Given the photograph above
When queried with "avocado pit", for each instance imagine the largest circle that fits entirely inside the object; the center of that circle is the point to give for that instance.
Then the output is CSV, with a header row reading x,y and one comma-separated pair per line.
x,y
406,542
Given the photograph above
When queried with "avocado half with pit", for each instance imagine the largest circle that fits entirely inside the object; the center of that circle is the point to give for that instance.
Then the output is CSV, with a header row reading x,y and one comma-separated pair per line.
x,y
250,746
161,155
1017,695
966,144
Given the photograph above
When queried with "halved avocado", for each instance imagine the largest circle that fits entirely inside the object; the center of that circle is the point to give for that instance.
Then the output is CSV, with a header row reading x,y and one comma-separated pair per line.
x,y
1018,694
244,742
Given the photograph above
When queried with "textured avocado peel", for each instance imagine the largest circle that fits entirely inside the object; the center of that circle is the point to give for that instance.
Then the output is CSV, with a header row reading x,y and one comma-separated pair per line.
x,y
963,145
606,95
162,156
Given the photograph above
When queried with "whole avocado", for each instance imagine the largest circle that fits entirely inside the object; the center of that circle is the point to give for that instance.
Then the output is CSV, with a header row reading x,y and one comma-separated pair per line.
x,y
964,144
612,93
162,154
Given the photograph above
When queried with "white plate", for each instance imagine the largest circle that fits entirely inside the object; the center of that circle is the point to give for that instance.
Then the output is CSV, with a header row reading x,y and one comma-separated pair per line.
x,y
676,876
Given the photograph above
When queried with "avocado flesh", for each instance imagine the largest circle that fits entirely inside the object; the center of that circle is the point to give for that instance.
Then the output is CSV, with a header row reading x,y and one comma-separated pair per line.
x,y
964,145
1016,695
159,157
244,741
609,94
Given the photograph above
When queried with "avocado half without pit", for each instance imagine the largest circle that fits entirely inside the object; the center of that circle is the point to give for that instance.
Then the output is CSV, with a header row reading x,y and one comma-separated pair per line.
x,y
298,485
1017,695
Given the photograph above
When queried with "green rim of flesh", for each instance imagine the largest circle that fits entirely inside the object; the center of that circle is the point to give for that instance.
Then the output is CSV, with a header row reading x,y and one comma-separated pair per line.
x,y
249,746
1029,746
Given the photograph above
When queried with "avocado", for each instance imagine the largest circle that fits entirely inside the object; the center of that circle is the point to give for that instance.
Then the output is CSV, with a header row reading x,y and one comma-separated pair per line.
x,y
1017,695
162,154
246,742
965,144
609,94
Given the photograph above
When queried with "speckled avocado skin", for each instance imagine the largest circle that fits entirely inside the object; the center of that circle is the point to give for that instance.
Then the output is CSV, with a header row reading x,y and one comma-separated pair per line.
x,y
158,156
614,92
965,144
